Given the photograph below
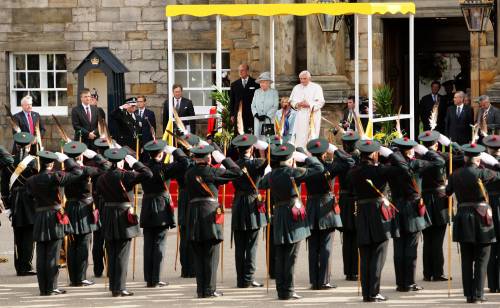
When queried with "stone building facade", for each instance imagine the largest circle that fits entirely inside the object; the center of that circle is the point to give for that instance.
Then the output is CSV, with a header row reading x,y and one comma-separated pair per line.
x,y
35,32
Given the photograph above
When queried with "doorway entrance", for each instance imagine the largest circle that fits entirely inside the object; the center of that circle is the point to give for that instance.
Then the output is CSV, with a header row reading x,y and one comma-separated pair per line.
x,y
97,82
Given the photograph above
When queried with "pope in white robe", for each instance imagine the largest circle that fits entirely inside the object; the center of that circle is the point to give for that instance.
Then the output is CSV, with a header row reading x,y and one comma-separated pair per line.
x,y
307,97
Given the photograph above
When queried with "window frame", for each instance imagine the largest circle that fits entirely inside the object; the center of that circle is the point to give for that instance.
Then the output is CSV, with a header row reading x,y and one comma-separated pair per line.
x,y
43,110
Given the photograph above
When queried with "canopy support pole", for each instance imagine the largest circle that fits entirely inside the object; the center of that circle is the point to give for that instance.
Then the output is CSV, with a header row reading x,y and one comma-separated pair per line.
x,y
370,69
218,55
356,62
412,76
271,50
170,68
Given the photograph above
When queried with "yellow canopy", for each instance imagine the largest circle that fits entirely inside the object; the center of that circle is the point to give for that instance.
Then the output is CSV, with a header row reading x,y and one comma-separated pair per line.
x,y
299,9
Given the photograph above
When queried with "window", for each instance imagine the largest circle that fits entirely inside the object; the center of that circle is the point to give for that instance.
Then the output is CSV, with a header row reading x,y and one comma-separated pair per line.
x,y
44,77
195,71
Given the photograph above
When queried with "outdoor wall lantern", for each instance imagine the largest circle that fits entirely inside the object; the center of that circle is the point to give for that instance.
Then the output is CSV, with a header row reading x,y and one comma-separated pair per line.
x,y
476,13
330,23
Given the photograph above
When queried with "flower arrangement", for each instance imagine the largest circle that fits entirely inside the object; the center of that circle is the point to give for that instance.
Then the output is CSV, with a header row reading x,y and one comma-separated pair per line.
x,y
225,132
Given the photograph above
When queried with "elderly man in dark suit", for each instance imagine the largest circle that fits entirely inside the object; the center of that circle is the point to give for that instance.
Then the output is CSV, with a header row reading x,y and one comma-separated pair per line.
x,y
242,91
183,106
488,117
146,120
127,128
430,102
26,119
459,118
84,118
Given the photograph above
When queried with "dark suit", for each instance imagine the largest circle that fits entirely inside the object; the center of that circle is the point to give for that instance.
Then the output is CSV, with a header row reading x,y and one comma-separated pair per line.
x,y
425,107
22,122
82,126
492,118
186,109
145,131
458,129
346,122
126,128
238,93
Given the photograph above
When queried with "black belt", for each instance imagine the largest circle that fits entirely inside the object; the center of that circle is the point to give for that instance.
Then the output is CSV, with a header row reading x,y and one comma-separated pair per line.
x,y
203,199
369,200
124,205
85,201
472,204
158,194
285,202
47,208
345,192
434,189
324,195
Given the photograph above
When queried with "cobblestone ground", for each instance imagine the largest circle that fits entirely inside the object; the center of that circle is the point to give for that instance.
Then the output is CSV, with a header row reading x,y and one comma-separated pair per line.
x,y
23,291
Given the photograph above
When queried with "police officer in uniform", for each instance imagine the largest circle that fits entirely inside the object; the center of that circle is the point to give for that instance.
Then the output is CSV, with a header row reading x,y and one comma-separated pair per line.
x,y
51,223
492,143
248,210
205,217
290,224
347,211
18,206
436,203
82,214
157,211
120,223
473,224
323,211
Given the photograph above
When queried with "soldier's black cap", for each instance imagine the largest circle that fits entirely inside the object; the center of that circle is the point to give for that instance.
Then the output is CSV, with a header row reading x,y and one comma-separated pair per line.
x,y
317,146
202,150
192,139
350,136
429,136
23,138
131,100
404,143
276,139
154,145
472,149
368,146
74,148
47,156
492,141
101,143
115,155
282,152
244,141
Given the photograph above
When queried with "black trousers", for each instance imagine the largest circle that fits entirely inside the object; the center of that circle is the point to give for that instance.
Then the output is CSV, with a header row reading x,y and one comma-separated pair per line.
x,y
494,267
405,258
154,250
350,252
78,256
186,254
118,255
272,253
245,244
319,249
23,249
372,259
474,263
47,267
206,260
286,255
433,257
98,252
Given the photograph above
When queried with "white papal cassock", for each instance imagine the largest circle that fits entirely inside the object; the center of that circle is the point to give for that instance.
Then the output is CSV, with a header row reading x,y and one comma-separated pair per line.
x,y
313,95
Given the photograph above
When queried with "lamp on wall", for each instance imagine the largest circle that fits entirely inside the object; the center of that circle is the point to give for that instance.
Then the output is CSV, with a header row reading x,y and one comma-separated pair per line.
x,y
330,23
476,13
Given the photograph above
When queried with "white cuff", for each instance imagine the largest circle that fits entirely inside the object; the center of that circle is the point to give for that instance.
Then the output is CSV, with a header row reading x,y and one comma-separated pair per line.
x,y
130,160
61,157
169,149
487,159
420,149
299,157
385,151
444,140
332,148
218,156
261,145
268,169
88,153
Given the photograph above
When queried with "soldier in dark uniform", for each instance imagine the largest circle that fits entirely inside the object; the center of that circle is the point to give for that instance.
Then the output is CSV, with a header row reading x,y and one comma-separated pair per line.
x,y
18,206
290,224
492,143
51,223
323,211
347,211
248,211
157,211
375,218
81,211
412,215
473,224
127,127
436,203
120,223
205,217
6,160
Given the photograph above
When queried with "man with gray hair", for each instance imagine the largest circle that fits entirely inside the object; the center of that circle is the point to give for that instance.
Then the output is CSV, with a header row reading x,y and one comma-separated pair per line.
x,y
459,118
488,117
307,98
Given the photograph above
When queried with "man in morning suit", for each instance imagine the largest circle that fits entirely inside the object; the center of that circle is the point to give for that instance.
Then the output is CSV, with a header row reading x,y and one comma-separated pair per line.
x,y
183,106
84,118
428,103
458,120
242,90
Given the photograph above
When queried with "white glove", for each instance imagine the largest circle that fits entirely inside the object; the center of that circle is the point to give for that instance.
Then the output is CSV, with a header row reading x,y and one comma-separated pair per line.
x,y
444,140
115,145
385,151
261,145
89,153
332,148
169,149
268,169
61,156
420,149
218,156
487,159
130,160
203,142
299,157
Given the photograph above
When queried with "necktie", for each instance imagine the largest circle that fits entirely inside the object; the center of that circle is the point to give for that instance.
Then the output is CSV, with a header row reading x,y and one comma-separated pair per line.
x,y
30,122
177,104
459,110
244,81
87,111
